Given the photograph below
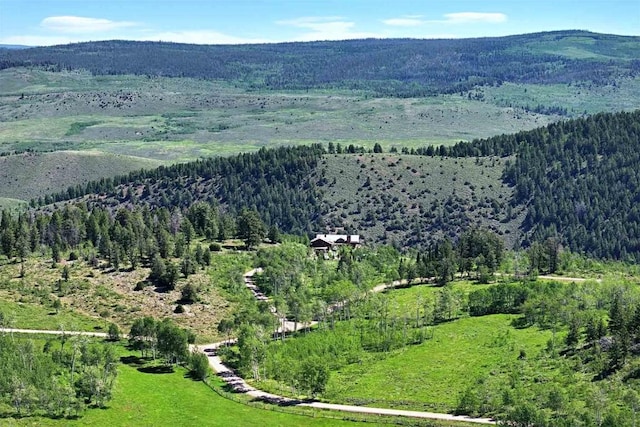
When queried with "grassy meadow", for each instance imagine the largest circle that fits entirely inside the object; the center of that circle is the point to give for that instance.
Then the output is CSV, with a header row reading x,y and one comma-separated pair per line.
x,y
74,110
25,315
11,204
431,376
577,99
31,175
171,399
128,122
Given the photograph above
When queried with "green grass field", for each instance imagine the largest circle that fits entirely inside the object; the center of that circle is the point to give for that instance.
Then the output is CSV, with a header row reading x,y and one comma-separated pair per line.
x,y
33,316
430,376
171,399
405,301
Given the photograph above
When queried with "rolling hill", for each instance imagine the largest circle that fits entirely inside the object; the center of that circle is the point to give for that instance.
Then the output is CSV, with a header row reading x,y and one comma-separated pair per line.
x,y
176,103
184,119
395,67
32,175
574,180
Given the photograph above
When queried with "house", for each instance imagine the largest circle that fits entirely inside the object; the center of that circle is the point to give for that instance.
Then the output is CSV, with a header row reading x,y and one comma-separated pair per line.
x,y
327,242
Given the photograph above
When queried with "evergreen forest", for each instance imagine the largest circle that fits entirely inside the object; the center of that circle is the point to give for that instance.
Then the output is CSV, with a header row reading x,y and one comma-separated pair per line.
x,y
397,67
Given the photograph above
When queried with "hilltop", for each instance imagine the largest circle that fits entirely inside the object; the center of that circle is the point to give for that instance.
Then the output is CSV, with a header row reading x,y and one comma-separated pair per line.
x,y
34,175
193,102
388,67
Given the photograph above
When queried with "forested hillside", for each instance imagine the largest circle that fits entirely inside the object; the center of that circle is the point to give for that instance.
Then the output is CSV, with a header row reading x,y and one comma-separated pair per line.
x,y
576,181
580,181
274,182
401,67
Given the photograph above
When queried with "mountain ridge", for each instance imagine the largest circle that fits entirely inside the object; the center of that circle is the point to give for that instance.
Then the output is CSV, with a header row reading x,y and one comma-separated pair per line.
x,y
386,67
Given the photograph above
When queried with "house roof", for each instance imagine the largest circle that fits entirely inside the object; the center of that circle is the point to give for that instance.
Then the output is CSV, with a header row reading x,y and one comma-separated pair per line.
x,y
337,238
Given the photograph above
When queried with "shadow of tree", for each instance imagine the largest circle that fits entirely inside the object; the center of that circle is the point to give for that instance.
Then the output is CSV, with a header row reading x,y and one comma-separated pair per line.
x,y
520,323
133,360
159,369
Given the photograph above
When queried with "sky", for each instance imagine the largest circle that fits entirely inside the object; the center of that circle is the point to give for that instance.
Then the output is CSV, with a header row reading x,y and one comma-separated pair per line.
x,y
50,22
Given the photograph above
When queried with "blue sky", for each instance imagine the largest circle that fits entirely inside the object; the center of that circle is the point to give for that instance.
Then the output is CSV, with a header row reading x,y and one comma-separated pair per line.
x,y
47,22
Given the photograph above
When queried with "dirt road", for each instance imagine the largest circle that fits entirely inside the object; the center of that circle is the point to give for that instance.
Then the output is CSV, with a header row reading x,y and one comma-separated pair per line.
x,y
239,385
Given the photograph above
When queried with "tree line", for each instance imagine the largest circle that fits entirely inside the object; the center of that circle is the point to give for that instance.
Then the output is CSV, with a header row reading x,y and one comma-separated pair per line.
x,y
578,180
159,238
274,182
400,67
595,331
163,338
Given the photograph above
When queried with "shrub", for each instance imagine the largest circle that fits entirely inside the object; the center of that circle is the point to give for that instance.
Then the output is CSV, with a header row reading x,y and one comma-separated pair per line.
x,y
199,366
114,332
179,309
189,294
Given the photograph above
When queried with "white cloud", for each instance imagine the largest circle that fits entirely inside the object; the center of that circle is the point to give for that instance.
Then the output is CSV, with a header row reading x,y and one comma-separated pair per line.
x,y
80,24
326,28
404,22
450,18
310,21
474,17
70,29
191,37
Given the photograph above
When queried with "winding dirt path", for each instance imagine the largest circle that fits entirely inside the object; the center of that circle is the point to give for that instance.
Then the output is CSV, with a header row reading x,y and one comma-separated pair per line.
x,y
239,385
58,332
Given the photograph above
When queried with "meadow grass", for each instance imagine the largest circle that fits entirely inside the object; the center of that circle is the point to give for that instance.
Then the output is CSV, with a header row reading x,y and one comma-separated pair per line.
x,y
431,376
585,46
577,99
93,297
405,301
172,399
34,316
32,175
76,110
7,203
